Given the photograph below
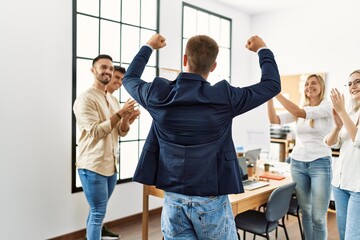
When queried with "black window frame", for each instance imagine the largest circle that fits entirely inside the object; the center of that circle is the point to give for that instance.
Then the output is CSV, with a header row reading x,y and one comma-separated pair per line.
x,y
74,187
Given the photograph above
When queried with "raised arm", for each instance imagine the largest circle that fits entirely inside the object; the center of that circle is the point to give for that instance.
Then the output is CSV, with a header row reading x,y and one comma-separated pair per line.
x,y
249,97
291,107
132,81
333,136
338,101
273,117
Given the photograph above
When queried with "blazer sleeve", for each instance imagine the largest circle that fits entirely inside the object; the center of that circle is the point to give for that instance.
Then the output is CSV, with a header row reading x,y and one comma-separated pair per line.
x,y
247,98
134,85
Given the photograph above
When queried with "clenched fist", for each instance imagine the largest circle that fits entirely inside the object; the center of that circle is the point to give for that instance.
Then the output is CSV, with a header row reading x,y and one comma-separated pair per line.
x,y
157,41
254,43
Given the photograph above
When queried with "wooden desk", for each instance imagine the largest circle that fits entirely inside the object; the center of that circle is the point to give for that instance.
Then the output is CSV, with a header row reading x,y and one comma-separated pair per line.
x,y
253,199
239,202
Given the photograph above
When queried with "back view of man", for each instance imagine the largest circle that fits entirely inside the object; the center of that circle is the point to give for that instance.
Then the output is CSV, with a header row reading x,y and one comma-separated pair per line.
x,y
189,151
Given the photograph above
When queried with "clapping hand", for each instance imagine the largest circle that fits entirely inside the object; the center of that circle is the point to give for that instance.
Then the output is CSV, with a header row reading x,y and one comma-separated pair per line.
x,y
338,102
128,108
135,114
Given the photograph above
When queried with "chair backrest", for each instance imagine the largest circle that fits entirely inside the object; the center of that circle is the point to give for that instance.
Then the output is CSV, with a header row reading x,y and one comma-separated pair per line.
x,y
278,202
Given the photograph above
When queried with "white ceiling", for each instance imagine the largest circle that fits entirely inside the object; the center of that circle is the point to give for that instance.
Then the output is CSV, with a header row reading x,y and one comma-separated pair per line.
x,y
261,6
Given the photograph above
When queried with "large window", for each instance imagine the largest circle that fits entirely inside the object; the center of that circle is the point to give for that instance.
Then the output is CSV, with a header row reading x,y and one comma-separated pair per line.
x,y
199,21
117,28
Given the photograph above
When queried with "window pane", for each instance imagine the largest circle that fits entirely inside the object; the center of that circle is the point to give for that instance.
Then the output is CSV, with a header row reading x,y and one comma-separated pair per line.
x,y
88,6
214,77
124,95
131,12
202,23
149,13
224,62
110,39
141,146
84,77
116,31
149,74
225,33
215,28
145,123
126,66
189,28
145,36
130,43
222,70
128,158
111,9
87,36
133,134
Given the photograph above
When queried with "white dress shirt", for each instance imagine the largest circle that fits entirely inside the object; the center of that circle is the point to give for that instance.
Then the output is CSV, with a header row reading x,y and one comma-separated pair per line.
x,y
346,170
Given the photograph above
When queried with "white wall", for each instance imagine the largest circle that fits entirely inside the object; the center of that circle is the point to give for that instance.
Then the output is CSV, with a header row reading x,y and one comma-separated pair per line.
x,y
35,107
315,38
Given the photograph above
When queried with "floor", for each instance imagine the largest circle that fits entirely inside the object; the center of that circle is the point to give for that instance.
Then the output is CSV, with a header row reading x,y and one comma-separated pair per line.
x,y
132,231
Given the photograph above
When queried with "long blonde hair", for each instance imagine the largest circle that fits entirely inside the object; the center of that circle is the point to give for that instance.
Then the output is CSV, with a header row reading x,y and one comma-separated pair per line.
x,y
322,93
354,104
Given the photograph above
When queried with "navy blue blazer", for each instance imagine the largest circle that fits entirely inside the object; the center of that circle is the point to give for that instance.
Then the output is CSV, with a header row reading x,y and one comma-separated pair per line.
x,y
189,149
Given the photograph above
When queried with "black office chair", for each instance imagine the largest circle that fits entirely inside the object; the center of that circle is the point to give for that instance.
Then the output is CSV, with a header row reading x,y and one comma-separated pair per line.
x,y
294,210
262,223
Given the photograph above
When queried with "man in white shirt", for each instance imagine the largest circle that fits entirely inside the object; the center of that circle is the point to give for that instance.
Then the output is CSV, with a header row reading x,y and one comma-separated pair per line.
x,y
100,125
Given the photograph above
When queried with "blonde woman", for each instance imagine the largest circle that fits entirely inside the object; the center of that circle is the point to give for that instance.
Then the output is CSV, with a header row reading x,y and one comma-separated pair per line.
x,y
310,158
346,181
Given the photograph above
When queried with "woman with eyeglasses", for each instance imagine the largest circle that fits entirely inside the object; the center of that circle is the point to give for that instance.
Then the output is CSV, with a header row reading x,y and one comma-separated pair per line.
x,y
346,180
310,158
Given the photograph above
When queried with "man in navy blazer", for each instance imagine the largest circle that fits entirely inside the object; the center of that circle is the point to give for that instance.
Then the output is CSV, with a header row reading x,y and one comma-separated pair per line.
x,y
189,151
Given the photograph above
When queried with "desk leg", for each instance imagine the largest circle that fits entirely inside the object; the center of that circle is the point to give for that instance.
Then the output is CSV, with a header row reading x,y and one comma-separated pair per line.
x,y
145,214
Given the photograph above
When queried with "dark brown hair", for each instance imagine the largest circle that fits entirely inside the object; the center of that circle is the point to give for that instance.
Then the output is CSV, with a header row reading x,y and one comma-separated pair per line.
x,y
101,56
201,52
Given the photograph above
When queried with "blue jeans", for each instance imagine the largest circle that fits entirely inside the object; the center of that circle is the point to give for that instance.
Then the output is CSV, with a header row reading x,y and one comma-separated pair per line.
x,y
313,190
97,189
347,206
193,217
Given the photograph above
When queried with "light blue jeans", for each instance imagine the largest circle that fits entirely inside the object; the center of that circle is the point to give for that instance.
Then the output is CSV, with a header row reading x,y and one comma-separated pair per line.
x,y
193,217
347,206
97,189
313,190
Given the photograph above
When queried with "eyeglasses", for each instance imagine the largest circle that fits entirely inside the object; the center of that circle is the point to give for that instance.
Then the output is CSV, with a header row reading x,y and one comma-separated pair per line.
x,y
356,82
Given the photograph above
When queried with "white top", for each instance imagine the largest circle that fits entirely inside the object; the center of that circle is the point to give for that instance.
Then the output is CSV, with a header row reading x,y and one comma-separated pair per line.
x,y
309,143
346,170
